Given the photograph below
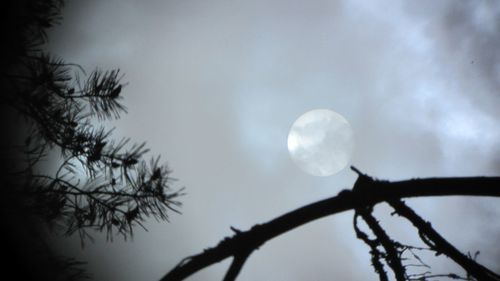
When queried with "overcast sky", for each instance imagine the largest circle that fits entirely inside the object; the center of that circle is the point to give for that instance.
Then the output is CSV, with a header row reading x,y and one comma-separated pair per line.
x,y
214,86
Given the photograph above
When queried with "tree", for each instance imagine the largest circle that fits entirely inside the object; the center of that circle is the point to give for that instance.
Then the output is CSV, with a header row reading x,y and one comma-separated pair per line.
x,y
105,185
385,251
100,184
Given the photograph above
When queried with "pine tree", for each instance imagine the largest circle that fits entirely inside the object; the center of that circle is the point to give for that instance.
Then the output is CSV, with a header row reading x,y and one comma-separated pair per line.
x,y
100,184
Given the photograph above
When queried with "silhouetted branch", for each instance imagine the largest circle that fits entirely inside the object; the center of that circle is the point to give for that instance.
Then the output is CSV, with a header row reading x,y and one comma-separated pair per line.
x,y
236,265
428,276
436,242
392,255
366,192
374,251
101,184
103,204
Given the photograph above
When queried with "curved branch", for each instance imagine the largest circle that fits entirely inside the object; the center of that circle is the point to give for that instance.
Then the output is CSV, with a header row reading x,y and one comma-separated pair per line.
x,y
440,245
366,192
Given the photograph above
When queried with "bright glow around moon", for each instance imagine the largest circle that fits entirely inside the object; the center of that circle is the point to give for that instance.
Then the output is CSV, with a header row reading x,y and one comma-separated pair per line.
x,y
320,142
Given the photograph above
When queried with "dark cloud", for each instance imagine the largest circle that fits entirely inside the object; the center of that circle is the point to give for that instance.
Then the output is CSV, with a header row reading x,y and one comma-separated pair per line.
x,y
466,36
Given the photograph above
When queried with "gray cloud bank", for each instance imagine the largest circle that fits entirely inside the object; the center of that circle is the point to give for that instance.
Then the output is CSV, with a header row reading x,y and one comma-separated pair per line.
x,y
214,86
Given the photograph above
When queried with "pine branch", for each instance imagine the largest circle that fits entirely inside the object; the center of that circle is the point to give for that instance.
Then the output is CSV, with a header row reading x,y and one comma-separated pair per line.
x,y
103,204
118,183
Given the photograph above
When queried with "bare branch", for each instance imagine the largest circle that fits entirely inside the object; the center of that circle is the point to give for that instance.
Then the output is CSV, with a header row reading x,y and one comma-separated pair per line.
x,y
368,192
393,256
235,268
441,245
374,251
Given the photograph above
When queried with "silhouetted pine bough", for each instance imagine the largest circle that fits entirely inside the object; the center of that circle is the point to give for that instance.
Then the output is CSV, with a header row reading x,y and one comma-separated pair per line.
x,y
99,184
387,253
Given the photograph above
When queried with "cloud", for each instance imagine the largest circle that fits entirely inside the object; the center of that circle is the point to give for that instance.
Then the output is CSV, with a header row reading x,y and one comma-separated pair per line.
x,y
214,86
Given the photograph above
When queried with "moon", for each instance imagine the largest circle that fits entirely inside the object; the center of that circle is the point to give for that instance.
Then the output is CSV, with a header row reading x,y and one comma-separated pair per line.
x,y
320,142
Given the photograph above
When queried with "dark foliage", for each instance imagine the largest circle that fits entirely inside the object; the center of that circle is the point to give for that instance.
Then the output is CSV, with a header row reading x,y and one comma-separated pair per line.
x,y
52,110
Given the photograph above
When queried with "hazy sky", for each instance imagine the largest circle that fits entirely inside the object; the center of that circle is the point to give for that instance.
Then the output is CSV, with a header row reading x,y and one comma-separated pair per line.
x,y
214,86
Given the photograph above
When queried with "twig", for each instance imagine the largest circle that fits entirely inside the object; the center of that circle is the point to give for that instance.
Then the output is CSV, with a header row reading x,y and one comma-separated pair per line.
x,y
441,245
392,257
376,254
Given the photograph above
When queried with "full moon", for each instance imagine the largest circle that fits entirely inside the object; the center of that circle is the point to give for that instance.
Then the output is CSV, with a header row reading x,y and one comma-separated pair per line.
x,y
320,142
